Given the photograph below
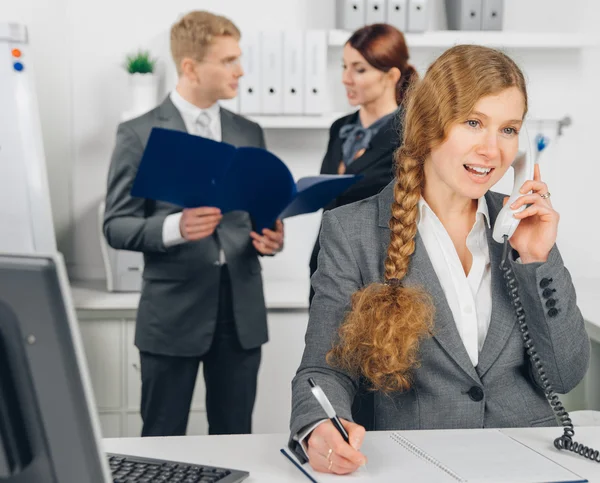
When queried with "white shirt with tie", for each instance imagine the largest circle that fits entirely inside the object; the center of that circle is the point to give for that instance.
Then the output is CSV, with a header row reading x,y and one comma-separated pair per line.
x,y
200,122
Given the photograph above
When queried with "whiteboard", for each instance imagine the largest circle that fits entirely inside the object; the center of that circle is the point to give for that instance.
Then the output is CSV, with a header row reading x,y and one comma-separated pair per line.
x,y
25,212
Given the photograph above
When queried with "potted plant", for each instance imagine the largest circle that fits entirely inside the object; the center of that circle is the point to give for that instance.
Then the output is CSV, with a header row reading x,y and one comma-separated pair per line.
x,y
143,81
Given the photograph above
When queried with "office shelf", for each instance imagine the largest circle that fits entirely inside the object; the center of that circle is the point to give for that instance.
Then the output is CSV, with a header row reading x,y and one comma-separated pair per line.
x,y
496,39
323,121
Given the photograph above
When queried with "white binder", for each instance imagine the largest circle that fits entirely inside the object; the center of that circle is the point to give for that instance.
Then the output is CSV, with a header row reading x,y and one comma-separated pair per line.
x,y
350,14
397,14
249,90
271,93
418,17
492,14
315,71
375,11
232,105
293,72
463,14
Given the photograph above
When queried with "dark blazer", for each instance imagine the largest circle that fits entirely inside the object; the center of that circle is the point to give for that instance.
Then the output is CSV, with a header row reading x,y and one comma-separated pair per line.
x,y
447,391
376,165
177,313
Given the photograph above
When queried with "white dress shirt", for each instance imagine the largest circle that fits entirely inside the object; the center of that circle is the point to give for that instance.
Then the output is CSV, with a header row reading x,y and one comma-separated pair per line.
x,y
469,296
201,122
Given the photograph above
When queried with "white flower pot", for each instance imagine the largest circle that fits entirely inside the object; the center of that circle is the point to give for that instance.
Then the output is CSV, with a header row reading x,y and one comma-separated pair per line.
x,y
144,92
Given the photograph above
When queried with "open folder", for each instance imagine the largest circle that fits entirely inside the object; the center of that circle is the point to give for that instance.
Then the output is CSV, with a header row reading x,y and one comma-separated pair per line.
x,y
192,171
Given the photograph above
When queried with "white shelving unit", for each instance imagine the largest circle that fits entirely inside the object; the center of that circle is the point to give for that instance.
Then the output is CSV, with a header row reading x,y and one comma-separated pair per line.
x,y
442,39
323,121
496,39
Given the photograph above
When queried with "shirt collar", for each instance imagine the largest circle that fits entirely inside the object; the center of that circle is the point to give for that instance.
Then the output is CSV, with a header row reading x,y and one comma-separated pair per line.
x,y
187,108
482,210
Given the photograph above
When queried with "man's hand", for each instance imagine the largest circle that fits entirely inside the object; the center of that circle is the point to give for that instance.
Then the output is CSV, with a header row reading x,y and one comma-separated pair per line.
x,y
198,223
270,242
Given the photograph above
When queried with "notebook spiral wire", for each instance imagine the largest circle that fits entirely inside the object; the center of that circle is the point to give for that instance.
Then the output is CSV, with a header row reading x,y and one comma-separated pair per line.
x,y
566,440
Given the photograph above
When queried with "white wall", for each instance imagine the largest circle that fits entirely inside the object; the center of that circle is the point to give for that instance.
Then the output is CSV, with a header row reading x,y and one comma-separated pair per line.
x,y
79,46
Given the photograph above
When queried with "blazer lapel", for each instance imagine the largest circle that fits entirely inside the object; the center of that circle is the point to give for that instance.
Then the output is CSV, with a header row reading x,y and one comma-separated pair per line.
x,y
169,117
229,128
421,273
503,317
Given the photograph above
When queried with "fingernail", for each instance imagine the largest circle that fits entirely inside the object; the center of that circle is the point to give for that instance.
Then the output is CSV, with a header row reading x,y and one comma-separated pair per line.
x,y
363,463
514,205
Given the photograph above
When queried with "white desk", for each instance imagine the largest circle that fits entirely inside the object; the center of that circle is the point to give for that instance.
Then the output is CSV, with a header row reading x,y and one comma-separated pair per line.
x,y
259,454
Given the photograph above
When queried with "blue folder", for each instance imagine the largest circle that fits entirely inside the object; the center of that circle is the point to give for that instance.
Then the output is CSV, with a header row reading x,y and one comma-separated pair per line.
x,y
192,171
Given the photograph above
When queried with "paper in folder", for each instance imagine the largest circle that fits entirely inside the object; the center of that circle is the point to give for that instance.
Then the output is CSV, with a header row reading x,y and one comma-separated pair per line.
x,y
192,171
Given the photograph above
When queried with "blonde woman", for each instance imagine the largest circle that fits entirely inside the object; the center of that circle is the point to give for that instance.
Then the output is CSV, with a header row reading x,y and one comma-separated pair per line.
x,y
409,297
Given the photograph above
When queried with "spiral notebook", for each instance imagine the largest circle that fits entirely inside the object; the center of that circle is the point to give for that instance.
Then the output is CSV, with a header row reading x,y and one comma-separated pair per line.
x,y
473,456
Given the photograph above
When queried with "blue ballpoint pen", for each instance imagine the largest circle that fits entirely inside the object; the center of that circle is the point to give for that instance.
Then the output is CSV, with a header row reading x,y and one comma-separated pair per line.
x,y
328,408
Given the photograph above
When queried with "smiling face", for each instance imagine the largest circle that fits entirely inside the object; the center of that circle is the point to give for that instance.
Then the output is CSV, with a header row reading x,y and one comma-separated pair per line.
x,y
479,149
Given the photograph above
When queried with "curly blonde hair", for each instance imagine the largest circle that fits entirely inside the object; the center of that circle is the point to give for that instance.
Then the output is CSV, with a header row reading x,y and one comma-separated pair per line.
x,y
195,31
380,336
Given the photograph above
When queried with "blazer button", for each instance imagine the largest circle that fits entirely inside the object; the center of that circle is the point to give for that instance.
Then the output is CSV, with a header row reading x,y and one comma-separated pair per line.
x,y
547,292
553,312
475,393
544,282
550,303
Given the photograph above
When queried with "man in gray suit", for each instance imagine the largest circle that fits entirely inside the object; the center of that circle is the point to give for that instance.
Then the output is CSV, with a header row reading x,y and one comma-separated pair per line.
x,y
202,295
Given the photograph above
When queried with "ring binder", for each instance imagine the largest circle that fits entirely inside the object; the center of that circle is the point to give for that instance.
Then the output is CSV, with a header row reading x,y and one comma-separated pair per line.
x,y
414,449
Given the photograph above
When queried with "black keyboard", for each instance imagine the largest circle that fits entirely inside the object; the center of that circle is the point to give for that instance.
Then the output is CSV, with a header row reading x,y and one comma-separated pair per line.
x,y
129,469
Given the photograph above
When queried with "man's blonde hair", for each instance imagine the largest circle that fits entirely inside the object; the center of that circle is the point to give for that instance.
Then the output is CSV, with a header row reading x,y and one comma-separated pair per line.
x,y
194,32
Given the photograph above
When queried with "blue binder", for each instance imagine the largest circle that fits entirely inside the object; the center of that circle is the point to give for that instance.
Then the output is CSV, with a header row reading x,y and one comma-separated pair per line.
x,y
192,171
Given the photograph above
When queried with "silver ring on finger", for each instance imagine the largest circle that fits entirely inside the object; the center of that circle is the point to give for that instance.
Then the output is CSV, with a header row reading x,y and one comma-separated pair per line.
x,y
546,195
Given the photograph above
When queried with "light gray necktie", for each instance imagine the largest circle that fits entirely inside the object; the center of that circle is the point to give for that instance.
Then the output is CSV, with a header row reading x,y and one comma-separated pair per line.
x,y
203,125
203,129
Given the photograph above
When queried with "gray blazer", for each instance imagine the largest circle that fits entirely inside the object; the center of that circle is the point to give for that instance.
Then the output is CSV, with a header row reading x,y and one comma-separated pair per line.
x,y
178,307
447,392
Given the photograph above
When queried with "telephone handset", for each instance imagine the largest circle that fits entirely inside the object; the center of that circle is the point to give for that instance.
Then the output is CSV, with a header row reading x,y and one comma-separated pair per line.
x,y
505,226
506,223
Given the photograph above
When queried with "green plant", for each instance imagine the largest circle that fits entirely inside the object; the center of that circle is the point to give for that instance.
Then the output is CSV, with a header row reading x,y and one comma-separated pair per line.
x,y
140,63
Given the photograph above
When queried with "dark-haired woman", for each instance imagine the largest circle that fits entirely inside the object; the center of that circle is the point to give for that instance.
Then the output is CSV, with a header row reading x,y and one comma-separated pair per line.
x,y
376,76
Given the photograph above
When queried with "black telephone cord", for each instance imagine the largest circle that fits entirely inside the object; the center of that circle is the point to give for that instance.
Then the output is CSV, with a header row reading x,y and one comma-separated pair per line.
x,y
566,440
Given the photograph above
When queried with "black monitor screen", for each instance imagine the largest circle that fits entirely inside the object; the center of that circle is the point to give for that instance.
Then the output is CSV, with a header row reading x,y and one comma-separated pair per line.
x,y
49,431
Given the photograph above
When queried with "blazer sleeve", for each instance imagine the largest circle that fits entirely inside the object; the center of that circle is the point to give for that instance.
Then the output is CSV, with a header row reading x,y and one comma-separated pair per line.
x,y
126,225
555,322
334,282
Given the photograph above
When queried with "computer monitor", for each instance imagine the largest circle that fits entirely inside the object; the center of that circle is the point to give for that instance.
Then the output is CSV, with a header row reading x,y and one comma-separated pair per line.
x,y
49,431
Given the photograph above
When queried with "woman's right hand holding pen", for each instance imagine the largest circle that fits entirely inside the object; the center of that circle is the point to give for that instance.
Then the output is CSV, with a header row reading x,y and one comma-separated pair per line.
x,y
329,453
